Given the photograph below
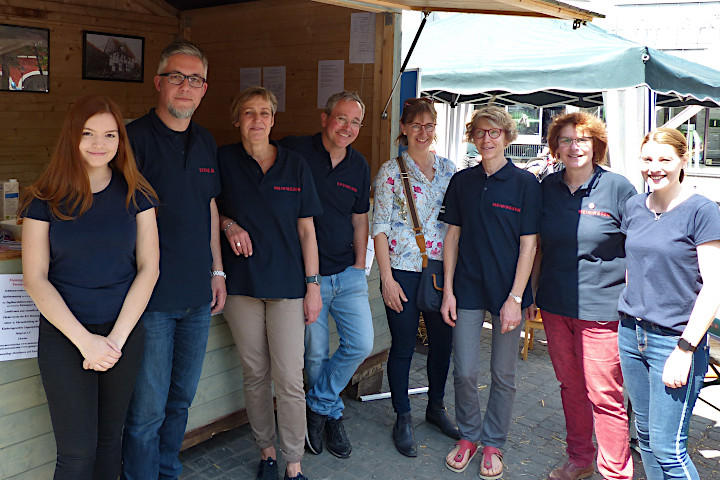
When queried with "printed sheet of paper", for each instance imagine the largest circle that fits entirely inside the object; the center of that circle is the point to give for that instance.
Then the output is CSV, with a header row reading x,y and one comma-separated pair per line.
x,y
274,80
362,37
250,77
19,321
369,256
331,79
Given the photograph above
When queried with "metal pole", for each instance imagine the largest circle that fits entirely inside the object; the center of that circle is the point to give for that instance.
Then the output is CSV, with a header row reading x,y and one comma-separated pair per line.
x,y
384,115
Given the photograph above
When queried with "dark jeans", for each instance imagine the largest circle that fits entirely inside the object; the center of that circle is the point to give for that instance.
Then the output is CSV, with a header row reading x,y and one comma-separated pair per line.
x,y
87,408
403,330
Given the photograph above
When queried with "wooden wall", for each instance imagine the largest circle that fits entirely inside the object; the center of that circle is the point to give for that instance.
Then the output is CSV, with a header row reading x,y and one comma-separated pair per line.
x,y
294,34
31,121
268,33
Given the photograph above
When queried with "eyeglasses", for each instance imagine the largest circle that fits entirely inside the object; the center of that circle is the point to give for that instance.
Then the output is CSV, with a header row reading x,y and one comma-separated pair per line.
x,y
580,141
479,133
428,127
342,121
177,78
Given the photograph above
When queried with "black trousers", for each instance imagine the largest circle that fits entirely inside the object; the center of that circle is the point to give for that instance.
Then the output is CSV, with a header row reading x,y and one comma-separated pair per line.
x,y
403,330
87,408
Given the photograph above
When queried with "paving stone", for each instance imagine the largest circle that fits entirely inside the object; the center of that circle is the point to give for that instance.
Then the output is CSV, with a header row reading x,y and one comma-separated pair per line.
x,y
536,442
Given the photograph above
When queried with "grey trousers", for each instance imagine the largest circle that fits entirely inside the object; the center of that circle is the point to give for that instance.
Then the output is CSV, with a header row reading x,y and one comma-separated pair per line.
x,y
269,336
494,429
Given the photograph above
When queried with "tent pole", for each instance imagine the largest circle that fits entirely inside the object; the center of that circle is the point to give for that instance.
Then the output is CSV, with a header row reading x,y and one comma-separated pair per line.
x,y
384,115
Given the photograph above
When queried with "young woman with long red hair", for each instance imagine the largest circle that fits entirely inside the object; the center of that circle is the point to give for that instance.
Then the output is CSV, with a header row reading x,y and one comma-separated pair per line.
x,y
90,262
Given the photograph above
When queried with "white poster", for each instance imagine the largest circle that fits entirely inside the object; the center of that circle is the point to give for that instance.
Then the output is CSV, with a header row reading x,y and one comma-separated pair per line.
x,y
369,255
19,321
250,77
362,37
274,80
331,79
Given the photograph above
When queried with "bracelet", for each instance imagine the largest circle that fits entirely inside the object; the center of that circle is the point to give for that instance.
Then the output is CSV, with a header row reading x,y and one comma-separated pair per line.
x,y
218,273
228,226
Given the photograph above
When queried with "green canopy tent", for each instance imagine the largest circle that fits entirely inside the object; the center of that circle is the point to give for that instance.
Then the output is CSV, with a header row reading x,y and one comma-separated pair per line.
x,y
545,62
476,59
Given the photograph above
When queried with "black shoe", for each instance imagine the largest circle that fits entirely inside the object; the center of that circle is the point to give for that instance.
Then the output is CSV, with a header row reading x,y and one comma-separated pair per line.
x,y
337,440
299,476
403,435
437,415
268,470
313,434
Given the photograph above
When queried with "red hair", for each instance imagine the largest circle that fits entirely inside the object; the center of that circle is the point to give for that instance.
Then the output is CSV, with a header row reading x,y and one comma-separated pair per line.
x,y
65,184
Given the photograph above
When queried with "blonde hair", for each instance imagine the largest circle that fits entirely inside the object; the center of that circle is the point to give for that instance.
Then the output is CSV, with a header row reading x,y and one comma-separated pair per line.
x,y
495,115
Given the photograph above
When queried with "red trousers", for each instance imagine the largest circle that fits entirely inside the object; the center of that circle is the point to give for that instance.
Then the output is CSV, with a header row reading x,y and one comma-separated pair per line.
x,y
587,365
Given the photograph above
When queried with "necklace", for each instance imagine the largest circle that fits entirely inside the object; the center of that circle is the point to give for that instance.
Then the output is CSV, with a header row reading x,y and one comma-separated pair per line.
x,y
652,208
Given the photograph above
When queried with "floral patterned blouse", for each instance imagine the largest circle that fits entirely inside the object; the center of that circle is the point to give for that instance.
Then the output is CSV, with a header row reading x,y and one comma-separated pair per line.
x,y
391,215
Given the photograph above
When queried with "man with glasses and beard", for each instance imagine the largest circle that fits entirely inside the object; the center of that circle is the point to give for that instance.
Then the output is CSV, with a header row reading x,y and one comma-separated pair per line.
x,y
178,158
342,179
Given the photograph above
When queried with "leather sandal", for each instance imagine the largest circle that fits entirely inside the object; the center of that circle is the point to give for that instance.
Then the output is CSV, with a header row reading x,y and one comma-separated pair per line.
x,y
466,450
487,465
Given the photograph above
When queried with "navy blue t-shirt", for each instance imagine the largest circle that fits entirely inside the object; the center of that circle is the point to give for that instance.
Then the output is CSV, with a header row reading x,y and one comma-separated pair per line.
x,y
343,191
92,257
662,266
185,180
493,213
583,250
268,207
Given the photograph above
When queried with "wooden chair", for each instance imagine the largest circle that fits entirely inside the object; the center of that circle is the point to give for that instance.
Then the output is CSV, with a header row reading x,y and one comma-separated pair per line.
x,y
530,327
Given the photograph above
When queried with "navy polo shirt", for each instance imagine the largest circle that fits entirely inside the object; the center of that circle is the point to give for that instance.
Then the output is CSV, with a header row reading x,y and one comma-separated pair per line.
x,y
343,191
185,180
268,207
582,272
662,264
92,257
493,213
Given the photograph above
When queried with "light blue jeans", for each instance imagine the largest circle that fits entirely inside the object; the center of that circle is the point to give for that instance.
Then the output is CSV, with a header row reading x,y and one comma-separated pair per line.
x,y
662,414
345,297
493,431
175,345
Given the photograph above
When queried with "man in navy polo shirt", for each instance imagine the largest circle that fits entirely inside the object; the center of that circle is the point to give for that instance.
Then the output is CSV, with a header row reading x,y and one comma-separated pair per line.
x,y
178,157
342,178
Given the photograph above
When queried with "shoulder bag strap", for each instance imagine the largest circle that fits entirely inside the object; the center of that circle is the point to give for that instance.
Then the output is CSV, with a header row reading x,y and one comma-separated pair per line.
x,y
417,229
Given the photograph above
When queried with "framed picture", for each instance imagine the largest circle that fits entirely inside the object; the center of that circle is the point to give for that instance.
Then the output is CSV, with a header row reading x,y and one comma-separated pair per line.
x,y
24,59
113,57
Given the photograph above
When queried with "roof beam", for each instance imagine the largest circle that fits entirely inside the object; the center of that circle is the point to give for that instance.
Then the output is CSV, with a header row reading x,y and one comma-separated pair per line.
x,y
534,8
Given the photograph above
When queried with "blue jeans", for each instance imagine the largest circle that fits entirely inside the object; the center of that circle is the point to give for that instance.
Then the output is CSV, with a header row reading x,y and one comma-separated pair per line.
x,y
493,431
662,414
403,330
345,297
175,345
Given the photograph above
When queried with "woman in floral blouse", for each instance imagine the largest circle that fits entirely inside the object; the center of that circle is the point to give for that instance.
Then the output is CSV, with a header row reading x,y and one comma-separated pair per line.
x,y
400,265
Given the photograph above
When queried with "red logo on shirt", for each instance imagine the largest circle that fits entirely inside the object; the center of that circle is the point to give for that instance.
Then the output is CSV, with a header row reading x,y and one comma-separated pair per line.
x,y
287,189
506,207
594,213
345,185
206,170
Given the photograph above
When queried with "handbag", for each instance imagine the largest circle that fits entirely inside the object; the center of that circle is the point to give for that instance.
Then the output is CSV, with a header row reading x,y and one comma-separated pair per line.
x,y
430,290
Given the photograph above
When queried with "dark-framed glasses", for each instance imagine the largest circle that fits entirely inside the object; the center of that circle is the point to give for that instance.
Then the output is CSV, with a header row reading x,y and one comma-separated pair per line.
x,y
479,133
580,141
428,127
343,121
177,78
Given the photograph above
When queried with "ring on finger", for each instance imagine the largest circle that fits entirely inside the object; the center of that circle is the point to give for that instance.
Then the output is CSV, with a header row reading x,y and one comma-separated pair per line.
x,y
237,244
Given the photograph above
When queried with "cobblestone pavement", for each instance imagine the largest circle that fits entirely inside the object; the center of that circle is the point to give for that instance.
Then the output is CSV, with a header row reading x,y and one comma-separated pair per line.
x,y
535,444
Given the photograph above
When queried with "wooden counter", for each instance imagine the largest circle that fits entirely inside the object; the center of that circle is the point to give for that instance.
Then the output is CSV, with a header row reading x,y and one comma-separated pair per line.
x,y
27,445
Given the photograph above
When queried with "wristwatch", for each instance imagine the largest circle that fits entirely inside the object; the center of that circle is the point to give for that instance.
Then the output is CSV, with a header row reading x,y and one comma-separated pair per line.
x,y
517,299
685,346
312,279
